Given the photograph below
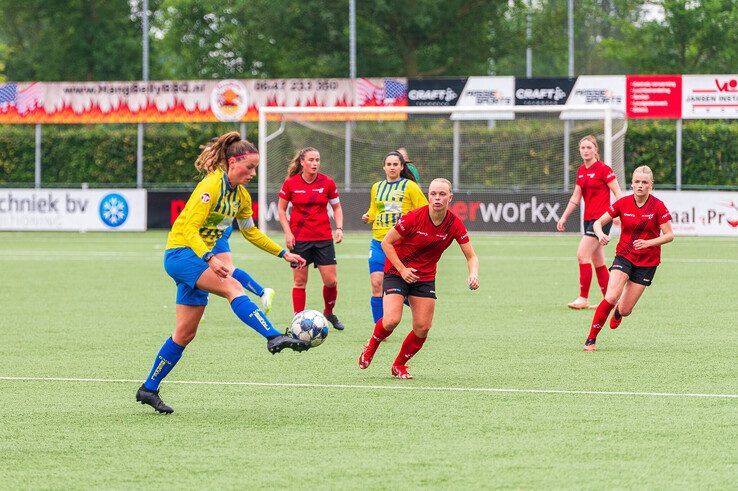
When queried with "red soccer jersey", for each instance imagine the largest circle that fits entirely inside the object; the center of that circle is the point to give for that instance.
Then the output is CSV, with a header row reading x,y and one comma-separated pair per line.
x,y
595,192
309,216
422,243
639,223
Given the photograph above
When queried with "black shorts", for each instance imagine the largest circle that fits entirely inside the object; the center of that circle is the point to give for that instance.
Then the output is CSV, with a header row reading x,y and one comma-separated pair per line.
x,y
589,228
395,284
643,275
318,252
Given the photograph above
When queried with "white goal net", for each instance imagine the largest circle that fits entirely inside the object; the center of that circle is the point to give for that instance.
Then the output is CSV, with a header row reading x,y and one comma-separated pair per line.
x,y
497,159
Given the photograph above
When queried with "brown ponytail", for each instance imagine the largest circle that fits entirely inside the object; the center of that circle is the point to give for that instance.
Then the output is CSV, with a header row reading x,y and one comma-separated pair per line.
x,y
295,166
215,156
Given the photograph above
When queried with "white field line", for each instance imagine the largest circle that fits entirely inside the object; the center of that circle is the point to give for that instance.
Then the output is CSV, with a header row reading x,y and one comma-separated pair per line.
x,y
38,255
381,387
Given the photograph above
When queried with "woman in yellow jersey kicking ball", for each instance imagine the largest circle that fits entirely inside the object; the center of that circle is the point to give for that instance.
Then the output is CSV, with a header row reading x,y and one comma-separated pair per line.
x,y
390,199
218,199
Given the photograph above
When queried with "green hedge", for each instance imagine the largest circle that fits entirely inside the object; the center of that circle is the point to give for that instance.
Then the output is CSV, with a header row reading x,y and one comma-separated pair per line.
x,y
106,154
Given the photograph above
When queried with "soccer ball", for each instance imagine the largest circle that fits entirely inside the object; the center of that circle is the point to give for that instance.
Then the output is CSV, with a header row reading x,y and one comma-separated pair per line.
x,y
310,326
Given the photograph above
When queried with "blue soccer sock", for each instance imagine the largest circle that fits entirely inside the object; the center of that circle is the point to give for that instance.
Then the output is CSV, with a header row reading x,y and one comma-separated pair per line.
x,y
251,315
377,308
248,282
168,356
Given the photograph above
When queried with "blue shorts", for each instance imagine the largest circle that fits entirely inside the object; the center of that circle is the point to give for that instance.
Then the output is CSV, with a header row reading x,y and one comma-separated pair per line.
x,y
185,268
376,257
222,245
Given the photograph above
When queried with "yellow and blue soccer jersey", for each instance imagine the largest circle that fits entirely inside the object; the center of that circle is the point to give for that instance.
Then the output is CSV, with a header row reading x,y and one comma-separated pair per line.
x,y
211,209
390,200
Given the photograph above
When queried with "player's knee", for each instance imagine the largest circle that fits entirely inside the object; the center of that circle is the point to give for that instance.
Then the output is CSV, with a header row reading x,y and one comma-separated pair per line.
x,y
612,298
299,284
583,258
390,322
376,290
625,311
183,338
331,283
421,330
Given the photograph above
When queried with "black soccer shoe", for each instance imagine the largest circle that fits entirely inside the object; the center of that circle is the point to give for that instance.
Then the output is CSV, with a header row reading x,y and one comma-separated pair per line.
x,y
337,325
278,343
151,397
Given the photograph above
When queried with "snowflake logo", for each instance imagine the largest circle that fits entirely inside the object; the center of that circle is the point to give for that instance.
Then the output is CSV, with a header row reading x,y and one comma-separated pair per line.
x,y
113,210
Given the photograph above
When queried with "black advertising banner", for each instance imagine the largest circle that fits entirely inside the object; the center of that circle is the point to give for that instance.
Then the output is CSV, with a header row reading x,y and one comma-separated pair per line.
x,y
435,92
542,91
482,212
164,207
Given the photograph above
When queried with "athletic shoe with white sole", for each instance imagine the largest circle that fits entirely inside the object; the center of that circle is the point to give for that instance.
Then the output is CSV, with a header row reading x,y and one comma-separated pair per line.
x,y
266,300
579,303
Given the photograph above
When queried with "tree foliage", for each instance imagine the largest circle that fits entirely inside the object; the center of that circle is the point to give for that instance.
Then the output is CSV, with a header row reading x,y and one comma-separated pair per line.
x,y
193,39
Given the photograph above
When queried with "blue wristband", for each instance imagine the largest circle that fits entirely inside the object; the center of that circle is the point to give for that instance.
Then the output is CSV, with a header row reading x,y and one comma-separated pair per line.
x,y
282,253
207,256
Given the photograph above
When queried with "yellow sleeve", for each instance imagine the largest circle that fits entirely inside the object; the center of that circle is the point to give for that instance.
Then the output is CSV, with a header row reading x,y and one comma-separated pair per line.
x,y
249,230
196,211
417,198
372,211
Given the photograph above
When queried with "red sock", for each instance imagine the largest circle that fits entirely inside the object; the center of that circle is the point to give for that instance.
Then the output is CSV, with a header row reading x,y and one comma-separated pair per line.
x,y
585,278
330,293
603,276
410,346
298,299
379,334
600,317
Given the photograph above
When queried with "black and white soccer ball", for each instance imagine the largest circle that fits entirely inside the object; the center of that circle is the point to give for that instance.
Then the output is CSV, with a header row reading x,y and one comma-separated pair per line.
x,y
310,326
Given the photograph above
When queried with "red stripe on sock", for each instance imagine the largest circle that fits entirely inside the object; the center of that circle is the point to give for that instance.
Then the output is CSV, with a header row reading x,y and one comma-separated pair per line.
x,y
603,277
585,278
410,346
298,299
600,317
330,293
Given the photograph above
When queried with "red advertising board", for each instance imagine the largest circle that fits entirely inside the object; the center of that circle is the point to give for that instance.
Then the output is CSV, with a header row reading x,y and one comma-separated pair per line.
x,y
654,96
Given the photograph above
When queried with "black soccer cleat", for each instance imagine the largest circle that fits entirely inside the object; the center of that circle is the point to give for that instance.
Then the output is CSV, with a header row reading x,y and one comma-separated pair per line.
x,y
278,343
151,397
337,324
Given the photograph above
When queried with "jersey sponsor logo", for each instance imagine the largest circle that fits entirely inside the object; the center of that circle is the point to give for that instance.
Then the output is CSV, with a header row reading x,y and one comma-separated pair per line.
x,y
629,215
581,176
420,232
318,190
113,210
442,236
205,197
591,175
299,191
649,216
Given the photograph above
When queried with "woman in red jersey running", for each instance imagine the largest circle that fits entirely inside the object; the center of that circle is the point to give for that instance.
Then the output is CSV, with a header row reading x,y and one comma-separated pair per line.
x,y
309,229
413,248
595,181
646,226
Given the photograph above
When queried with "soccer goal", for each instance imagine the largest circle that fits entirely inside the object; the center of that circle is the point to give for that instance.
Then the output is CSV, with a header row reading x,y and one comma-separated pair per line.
x,y
492,155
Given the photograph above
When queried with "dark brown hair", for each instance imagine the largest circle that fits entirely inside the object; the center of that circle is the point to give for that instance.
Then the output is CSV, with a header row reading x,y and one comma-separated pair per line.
x,y
405,172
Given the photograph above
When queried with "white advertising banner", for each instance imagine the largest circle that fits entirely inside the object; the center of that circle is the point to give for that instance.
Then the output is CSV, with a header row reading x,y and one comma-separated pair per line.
x,y
710,96
103,210
487,91
590,89
702,212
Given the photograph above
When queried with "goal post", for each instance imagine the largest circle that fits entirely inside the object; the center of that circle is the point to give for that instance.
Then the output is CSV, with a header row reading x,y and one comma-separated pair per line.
x,y
479,149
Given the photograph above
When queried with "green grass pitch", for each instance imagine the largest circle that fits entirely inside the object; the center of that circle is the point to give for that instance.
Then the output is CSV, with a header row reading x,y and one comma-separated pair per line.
x,y
642,412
